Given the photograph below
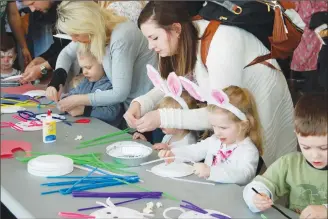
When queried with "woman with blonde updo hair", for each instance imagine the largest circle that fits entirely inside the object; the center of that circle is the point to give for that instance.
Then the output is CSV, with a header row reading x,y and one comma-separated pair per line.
x,y
116,43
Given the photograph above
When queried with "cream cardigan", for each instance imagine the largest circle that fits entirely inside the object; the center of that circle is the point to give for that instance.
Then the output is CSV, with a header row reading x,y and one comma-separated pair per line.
x,y
230,51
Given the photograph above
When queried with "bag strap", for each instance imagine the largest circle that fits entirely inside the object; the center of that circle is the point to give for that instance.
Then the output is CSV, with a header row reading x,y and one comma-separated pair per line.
x,y
207,37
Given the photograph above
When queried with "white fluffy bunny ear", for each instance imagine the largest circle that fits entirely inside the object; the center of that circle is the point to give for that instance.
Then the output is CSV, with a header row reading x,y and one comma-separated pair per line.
x,y
174,84
193,89
156,78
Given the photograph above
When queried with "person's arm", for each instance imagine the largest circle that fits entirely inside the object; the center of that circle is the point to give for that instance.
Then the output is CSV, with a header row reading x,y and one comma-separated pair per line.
x,y
64,61
272,182
53,52
240,169
15,23
123,54
149,101
195,152
104,113
195,119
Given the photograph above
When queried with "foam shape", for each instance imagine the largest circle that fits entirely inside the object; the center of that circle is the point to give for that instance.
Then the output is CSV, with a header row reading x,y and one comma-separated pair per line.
x,y
12,78
26,126
35,93
117,212
9,147
50,165
174,169
11,109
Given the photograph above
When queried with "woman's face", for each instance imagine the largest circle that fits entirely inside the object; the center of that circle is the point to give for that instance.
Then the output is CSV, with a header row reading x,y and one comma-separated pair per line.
x,y
81,38
164,42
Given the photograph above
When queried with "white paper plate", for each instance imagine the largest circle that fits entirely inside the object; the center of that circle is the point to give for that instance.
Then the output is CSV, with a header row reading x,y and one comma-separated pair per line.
x,y
128,150
35,93
13,78
174,169
43,117
50,165
11,109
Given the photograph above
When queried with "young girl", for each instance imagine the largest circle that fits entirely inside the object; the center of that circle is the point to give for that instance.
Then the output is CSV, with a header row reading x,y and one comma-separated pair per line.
x,y
232,153
175,98
94,81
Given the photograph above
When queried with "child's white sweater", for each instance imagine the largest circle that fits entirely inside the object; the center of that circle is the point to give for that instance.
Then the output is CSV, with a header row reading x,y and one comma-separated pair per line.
x,y
240,167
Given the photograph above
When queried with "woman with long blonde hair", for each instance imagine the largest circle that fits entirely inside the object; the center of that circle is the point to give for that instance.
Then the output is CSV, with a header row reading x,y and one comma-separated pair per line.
x,y
116,43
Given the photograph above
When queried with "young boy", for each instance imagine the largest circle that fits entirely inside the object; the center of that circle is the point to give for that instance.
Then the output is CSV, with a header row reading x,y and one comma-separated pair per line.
x,y
302,176
8,57
94,80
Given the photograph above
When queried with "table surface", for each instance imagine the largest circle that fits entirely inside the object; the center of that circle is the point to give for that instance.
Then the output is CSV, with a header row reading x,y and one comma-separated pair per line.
x,y
20,191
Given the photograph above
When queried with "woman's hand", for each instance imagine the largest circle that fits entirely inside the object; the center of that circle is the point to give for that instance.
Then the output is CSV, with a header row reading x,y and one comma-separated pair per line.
x,y
149,122
262,201
138,135
27,56
52,94
132,114
314,212
33,70
202,170
69,103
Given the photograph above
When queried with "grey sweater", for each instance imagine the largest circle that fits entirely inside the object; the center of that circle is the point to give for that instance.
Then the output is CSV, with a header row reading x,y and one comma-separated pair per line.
x,y
124,63
109,113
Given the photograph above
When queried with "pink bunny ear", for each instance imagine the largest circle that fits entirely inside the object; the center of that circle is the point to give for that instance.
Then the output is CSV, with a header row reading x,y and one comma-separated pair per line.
x,y
220,97
174,84
192,89
155,77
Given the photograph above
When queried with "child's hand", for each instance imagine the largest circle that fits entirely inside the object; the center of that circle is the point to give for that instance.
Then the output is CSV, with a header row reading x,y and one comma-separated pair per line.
x,y
314,211
262,202
161,146
166,153
140,136
202,170
52,94
77,111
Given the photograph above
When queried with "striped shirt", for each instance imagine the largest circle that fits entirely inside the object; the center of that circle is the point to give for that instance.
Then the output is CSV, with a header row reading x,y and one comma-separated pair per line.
x,y
10,83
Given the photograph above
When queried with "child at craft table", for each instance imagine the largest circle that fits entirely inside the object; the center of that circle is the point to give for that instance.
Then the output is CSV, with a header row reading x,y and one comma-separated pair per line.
x,y
301,176
175,98
232,153
8,57
95,80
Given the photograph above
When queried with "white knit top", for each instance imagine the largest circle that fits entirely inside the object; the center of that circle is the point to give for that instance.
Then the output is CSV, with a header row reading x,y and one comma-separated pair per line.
x,y
230,51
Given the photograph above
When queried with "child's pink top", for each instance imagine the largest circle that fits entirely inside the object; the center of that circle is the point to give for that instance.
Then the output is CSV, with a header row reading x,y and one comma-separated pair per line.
x,y
306,54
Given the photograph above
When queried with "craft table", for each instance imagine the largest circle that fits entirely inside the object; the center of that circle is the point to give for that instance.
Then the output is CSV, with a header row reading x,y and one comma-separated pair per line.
x,y
20,191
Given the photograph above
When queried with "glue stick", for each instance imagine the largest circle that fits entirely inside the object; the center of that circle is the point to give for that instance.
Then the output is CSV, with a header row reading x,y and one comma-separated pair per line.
x,y
49,128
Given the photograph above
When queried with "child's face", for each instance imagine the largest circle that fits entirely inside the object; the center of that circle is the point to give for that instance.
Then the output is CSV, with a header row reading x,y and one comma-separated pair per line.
x,y
7,59
225,129
91,69
314,149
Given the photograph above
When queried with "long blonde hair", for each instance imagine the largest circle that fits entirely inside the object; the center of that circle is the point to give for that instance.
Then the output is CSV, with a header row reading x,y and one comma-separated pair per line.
x,y
244,101
86,17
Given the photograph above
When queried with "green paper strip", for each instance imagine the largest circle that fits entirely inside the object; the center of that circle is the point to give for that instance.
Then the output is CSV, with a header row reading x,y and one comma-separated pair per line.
x,y
103,142
107,136
263,216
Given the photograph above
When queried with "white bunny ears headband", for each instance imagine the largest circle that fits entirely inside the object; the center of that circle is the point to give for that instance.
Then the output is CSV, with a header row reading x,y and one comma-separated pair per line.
x,y
217,97
172,87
